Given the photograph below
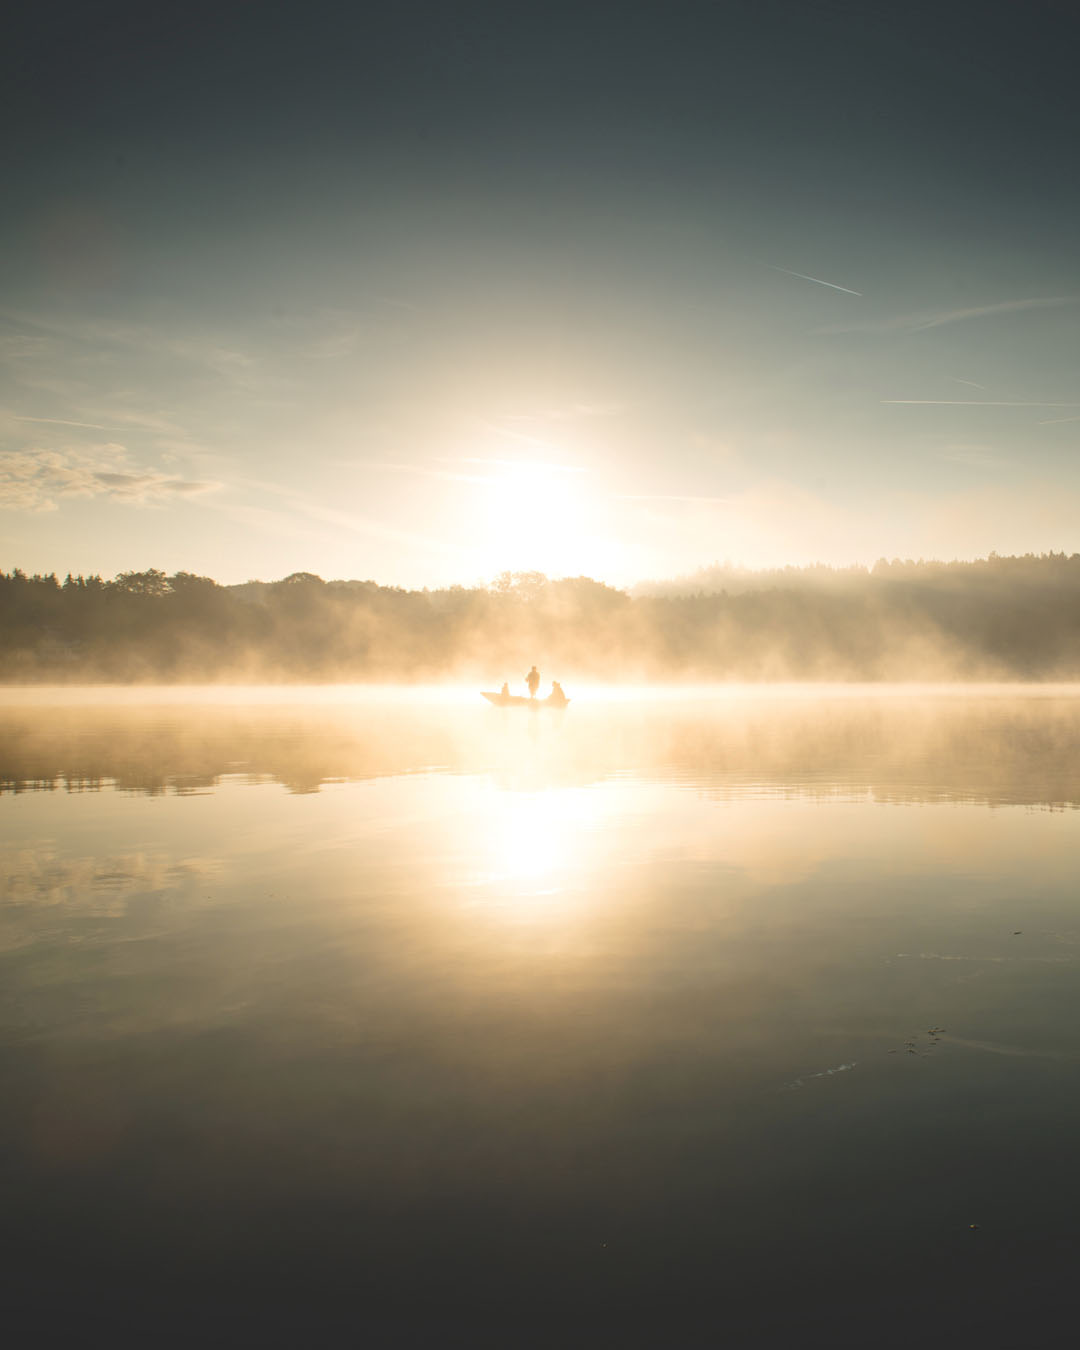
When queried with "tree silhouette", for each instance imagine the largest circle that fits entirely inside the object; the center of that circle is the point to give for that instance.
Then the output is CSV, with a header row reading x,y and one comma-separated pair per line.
x,y
997,617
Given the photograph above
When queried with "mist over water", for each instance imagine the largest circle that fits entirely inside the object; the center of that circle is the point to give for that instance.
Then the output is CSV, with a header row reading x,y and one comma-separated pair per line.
x,y
672,1017
995,743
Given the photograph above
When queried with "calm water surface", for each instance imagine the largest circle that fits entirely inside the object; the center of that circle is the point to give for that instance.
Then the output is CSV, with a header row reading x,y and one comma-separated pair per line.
x,y
720,1018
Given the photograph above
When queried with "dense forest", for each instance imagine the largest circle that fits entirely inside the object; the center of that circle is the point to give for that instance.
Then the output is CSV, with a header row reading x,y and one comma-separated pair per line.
x,y
999,618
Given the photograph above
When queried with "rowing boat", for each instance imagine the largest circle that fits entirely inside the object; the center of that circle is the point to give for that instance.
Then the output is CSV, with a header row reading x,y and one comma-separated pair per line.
x,y
518,701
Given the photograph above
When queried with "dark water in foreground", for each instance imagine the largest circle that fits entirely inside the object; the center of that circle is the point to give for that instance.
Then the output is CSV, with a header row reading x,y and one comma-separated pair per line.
x,y
742,1020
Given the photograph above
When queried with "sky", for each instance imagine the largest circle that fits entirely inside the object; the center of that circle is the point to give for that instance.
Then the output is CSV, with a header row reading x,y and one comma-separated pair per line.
x,y
421,292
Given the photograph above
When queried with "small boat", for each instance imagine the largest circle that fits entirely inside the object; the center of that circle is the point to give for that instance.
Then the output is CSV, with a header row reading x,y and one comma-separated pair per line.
x,y
518,701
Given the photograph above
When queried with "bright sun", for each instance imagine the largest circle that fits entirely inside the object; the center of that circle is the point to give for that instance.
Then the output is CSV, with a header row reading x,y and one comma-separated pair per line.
x,y
540,516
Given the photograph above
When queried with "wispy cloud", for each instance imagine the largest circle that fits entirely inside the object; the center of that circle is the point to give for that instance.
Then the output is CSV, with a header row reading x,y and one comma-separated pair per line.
x,y
22,346
277,524
926,319
364,525
816,280
33,480
1057,421
142,419
144,486
73,327
229,363
64,422
422,471
972,384
331,347
205,349
298,503
971,456
979,403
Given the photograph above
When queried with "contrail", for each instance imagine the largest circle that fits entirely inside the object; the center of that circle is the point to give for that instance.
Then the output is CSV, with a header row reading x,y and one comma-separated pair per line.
x,y
973,383
927,319
979,403
1056,421
63,422
817,280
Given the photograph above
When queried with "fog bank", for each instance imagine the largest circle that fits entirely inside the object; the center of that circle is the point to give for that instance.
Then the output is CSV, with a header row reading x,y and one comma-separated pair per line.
x,y
997,618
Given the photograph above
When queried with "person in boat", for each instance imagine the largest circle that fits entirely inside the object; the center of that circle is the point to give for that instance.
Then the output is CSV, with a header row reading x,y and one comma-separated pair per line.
x,y
533,681
504,692
557,695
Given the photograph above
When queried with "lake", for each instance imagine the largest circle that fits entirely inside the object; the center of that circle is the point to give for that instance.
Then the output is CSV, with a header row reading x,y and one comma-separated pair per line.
x,y
679,1018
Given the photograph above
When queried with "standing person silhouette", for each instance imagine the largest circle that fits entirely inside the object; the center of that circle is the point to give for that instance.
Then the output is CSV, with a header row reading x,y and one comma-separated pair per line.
x,y
533,681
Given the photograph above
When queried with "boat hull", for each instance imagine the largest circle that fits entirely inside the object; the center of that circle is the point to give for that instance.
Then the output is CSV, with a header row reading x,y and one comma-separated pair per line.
x,y
517,701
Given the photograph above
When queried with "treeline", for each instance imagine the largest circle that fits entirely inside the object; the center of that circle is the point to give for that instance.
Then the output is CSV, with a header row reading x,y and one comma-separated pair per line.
x,y
1037,568
996,618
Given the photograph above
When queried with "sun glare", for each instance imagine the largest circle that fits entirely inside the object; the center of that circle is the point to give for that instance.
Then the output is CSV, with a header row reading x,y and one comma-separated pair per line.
x,y
535,848
540,516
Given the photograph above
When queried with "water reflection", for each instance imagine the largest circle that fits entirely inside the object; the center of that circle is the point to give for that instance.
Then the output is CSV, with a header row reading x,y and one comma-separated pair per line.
x,y
405,1018
995,747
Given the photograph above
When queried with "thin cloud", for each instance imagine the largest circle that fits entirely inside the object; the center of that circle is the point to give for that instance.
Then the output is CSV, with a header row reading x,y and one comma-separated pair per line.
x,y
22,346
299,503
75,328
155,422
972,456
204,349
277,524
64,422
35,480
816,280
972,384
442,475
373,528
332,347
229,363
926,319
139,486
1056,421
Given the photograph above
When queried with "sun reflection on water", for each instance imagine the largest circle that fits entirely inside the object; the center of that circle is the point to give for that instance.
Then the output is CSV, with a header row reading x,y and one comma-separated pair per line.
x,y
535,846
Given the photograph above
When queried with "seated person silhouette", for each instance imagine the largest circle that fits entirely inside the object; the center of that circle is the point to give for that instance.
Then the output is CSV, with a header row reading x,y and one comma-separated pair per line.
x,y
504,692
533,681
557,695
